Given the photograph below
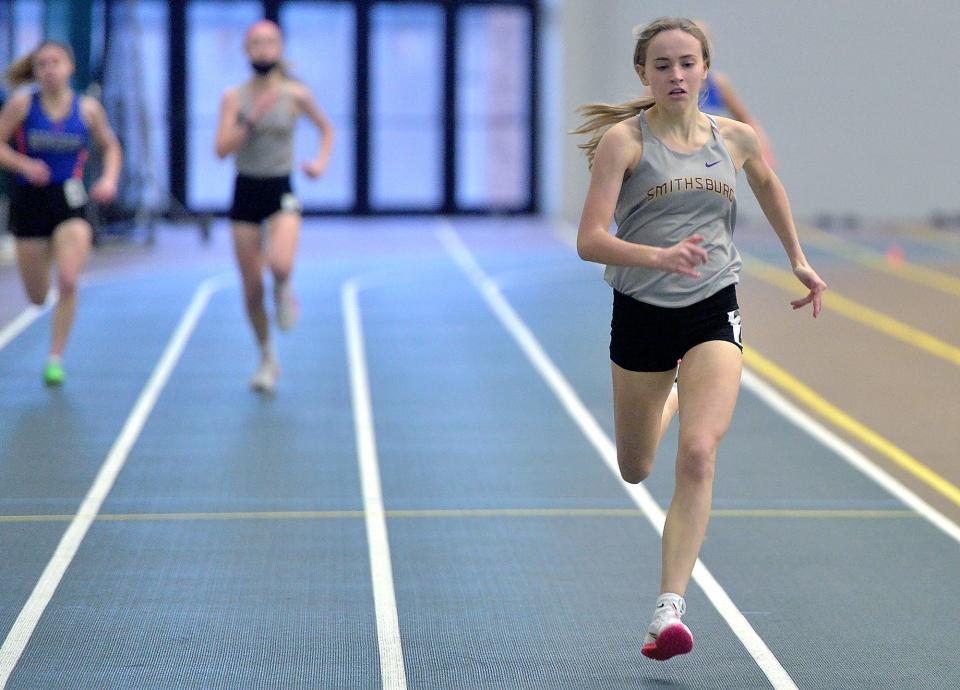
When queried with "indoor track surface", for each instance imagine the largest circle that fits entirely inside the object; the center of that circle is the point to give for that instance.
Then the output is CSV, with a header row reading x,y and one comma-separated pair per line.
x,y
430,499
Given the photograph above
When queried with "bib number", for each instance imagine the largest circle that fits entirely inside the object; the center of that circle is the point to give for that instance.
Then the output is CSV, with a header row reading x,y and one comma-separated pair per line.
x,y
74,192
290,203
733,318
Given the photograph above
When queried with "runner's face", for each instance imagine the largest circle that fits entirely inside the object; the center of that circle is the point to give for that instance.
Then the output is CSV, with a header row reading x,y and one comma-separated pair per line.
x,y
264,44
674,69
52,67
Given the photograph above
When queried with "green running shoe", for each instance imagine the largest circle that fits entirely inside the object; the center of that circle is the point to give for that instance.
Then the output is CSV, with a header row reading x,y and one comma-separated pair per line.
x,y
53,374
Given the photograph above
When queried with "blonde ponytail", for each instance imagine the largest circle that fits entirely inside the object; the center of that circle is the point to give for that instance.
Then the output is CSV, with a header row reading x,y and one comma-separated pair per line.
x,y
599,117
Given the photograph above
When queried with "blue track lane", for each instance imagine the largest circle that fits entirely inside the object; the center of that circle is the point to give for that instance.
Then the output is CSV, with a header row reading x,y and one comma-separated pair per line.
x,y
259,575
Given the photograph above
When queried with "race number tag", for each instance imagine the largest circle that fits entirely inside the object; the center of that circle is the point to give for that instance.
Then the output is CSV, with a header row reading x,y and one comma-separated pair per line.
x,y
290,203
74,192
733,318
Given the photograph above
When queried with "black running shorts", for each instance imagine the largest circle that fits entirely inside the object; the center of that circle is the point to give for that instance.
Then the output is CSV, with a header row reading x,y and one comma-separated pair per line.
x,y
257,198
644,337
35,212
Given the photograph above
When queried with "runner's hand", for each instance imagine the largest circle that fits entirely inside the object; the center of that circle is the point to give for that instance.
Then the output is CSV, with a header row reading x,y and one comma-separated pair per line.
x,y
313,169
684,257
810,279
103,191
37,172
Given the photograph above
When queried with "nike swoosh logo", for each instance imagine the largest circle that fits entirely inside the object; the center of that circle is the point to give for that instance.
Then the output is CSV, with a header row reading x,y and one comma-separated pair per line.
x,y
710,165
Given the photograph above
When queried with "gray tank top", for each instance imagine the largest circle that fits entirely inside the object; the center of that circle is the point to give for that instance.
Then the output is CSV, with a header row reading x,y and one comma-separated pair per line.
x,y
268,150
668,197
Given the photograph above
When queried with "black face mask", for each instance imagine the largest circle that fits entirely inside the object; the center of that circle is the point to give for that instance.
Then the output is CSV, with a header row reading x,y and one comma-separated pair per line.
x,y
263,68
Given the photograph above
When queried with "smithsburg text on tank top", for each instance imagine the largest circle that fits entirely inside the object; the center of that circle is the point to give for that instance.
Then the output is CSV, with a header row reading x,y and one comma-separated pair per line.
x,y
268,150
668,197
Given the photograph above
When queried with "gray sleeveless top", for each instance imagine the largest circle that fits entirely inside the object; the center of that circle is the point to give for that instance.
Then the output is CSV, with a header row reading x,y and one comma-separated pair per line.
x,y
268,150
668,197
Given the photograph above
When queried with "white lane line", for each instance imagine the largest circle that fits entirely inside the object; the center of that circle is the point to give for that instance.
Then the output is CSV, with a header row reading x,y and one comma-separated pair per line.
x,y
19,635
22,321
32,312
854,457
392,672
755,646
800,418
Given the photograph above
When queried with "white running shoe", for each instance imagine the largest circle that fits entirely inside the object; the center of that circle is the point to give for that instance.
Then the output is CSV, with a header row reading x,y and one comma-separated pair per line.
x,y
667,636
287,307
265,377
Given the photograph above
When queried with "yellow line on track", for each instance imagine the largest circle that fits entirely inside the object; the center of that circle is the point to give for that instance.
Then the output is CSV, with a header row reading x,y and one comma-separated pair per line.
x,y
159,517
855,311
938,238
456,513
828,514
906,270
516,512
840,419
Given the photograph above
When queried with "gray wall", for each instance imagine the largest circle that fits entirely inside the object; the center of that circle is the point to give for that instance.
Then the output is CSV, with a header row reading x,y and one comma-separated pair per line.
x,y
858,97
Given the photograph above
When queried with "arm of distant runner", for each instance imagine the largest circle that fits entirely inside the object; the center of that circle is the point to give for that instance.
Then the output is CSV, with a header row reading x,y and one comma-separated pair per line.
x,y
309,107
738,109
231,130
11,117
104,189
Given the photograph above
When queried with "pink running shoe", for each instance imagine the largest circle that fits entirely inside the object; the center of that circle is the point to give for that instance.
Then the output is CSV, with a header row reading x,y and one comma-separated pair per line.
x,y
667,637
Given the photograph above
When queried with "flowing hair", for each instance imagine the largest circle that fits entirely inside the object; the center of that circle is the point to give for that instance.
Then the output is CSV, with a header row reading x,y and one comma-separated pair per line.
x,y
20,72
599,117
